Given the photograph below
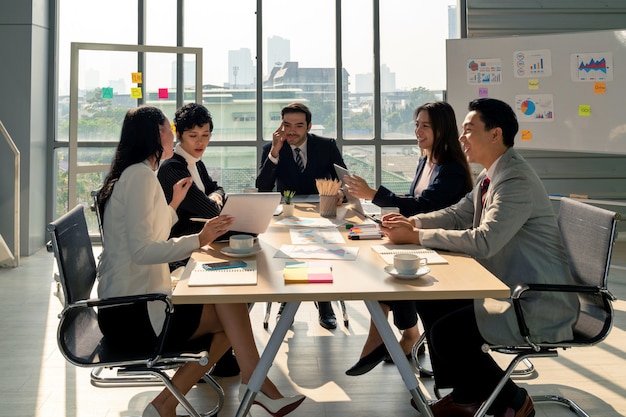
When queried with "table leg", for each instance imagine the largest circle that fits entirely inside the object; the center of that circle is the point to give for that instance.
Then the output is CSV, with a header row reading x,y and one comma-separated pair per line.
x,y
406,372
267,357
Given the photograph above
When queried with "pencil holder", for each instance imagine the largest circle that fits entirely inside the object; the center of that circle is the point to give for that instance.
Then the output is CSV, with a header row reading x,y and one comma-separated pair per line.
x,y
328,205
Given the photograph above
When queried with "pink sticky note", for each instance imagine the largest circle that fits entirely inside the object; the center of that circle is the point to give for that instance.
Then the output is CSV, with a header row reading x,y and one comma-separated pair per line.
x,y
163,93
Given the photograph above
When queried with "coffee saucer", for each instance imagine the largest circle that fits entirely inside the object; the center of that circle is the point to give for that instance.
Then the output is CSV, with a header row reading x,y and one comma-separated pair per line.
x,y
391,270
229,252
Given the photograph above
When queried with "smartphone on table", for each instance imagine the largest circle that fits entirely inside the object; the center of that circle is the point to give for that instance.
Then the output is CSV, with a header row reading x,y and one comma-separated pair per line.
x,y
215,266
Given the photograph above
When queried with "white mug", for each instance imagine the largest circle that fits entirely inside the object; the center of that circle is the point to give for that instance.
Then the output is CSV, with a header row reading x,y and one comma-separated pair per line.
x,y
242,243
408,263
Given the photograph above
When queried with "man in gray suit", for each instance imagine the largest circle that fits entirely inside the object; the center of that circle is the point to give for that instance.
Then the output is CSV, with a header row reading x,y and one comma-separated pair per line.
x,y
508,225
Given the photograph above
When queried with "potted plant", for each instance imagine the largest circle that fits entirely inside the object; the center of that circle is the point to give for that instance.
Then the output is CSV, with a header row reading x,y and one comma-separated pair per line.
x,y
287,206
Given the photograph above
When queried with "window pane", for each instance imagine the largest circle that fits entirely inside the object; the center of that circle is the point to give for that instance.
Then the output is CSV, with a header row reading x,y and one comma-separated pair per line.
x,y
413,65
227,33
161,22
398,167
86,183
77,23
358,60
299,62
360,160
234,168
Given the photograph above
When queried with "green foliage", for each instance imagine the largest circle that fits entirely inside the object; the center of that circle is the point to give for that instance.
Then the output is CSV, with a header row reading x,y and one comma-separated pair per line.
x,y
288,195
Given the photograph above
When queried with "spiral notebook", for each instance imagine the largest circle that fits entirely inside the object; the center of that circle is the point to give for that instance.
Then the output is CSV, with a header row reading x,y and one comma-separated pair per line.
x,y
386,252
246,275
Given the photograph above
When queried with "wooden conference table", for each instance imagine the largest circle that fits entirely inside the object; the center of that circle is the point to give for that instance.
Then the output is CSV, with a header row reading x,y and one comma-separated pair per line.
x,y
363,279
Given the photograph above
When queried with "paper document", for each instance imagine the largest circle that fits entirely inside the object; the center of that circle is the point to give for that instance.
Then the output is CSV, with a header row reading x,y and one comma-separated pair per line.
x,y
309,222
386,252
304,236
246,275
340,253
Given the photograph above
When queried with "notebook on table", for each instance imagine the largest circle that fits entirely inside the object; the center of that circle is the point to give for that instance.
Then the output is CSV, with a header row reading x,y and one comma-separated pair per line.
x,y
363,207
243,275
387,251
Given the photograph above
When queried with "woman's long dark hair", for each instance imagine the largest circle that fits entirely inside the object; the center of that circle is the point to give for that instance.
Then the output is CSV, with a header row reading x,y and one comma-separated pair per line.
x,y
446,145
139,140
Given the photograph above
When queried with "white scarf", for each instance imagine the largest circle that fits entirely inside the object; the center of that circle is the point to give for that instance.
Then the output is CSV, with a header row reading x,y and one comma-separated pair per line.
x,y
191,165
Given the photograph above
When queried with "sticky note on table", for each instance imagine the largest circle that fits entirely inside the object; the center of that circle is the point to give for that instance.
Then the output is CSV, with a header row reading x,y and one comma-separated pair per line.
x,y
308,272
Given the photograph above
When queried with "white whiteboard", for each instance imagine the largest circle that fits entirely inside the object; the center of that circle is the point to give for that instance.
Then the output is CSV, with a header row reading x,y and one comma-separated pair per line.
x,y
554,82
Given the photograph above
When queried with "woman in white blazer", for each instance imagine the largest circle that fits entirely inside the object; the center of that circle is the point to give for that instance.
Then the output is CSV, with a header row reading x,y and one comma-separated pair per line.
x,y
136,224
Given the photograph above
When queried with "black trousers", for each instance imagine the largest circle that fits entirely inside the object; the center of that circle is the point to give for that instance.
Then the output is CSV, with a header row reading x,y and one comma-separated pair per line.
x,y
458,361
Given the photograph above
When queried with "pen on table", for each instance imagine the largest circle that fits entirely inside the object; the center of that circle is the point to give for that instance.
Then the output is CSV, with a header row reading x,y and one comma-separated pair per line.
x,y
199,219
365,237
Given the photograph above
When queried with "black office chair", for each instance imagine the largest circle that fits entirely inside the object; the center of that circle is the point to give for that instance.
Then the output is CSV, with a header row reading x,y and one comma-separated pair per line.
x,y
588,234
79,337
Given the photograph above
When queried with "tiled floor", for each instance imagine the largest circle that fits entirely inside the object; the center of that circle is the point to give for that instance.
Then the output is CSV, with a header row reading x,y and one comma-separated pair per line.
x,y
35,380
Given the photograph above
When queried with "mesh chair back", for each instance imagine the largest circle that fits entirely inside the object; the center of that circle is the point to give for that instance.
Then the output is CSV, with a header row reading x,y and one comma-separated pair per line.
x,y
74,254
588,234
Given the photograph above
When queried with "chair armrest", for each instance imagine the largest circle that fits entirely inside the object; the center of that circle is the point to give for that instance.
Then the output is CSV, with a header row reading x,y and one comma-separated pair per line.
x,y
520,290
132,299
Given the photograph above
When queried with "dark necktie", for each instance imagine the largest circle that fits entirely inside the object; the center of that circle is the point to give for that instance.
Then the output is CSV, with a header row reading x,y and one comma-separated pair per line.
x,y
299,160
484,186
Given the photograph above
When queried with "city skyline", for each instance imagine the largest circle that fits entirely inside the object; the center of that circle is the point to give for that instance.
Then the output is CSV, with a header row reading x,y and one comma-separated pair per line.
x,y
418,36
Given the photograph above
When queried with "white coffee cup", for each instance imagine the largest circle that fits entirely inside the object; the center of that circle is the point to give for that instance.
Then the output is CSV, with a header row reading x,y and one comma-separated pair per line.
x,y
242,243
408,263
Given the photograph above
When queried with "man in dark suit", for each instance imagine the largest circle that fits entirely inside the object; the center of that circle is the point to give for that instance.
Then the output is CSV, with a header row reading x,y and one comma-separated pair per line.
x,y
293,160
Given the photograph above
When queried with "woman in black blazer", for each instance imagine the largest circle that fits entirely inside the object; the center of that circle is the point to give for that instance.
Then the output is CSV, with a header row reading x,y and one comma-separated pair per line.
x,y
443,177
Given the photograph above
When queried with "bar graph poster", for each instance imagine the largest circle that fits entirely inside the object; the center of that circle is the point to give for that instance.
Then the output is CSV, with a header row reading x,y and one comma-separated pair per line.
x,y
592,66
532,64
484,71
534,107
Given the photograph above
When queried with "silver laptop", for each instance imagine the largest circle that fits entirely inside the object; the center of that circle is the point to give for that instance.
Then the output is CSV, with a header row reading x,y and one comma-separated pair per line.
x,y
364,207
252,212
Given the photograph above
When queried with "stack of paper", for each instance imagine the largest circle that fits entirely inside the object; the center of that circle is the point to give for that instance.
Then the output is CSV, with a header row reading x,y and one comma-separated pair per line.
x,y
308,272
388,251
246,275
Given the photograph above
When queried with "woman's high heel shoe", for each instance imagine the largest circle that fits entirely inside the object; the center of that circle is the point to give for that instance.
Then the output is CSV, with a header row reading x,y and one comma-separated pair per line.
x,y
277,408
150,411
369,361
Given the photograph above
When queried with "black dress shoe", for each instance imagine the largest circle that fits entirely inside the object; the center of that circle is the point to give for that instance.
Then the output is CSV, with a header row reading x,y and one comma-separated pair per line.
x,y
446,407
368,362
409,356
388,358
521,407
326,315
226,366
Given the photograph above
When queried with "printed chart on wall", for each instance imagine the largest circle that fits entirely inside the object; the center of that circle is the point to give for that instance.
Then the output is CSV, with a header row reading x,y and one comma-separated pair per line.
x,y
592,67
567,90
534,107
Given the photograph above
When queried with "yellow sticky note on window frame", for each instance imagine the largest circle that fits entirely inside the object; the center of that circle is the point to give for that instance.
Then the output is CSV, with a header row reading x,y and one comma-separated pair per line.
x,y
137,77
135,92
